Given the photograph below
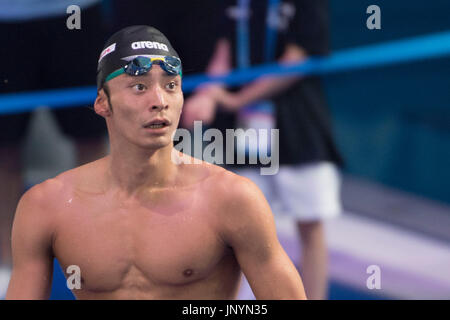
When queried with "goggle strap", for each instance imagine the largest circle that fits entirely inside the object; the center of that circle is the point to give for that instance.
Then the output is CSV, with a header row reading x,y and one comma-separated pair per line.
x,y
116,73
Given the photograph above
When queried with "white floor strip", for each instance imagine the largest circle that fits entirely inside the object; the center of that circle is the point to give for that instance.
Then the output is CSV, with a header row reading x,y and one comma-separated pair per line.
x,y
5,275
412,266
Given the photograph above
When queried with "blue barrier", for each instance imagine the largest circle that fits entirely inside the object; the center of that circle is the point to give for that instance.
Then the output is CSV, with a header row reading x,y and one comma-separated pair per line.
x,y
412,49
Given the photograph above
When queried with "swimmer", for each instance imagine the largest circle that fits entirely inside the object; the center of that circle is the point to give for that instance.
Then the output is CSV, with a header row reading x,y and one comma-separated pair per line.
x,y
138,224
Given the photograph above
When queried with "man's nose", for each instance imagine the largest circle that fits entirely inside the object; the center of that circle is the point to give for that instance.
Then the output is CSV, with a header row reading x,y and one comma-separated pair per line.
x,y
157,100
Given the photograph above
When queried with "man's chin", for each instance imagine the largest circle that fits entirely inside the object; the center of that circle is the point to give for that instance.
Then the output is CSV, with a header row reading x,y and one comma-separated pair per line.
x,y
156,144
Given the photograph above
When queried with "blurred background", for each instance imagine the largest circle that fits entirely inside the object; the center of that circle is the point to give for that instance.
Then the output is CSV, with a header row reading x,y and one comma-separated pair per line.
x,y
392,126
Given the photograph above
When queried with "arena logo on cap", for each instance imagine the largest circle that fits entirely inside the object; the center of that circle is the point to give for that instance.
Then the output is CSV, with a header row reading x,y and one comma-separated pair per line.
x,y
149,45
107,50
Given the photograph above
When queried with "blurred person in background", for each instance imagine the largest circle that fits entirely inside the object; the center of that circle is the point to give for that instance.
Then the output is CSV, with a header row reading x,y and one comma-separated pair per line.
x,y
40,52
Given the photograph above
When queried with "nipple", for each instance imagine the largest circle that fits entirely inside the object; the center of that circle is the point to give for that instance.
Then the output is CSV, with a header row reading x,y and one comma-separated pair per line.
x,y
188,272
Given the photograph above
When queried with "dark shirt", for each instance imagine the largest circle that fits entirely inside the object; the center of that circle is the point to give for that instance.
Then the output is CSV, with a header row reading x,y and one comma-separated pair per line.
x,y
301,112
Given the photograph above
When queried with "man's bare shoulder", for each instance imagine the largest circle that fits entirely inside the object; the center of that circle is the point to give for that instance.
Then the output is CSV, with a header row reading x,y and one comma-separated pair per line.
x,y
37,207
51,191
239,197
42,193
220,183
243,210
89,177
236,188
194,171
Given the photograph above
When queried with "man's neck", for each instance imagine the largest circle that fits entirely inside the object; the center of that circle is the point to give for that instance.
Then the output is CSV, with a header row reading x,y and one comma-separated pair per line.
x,y
135,168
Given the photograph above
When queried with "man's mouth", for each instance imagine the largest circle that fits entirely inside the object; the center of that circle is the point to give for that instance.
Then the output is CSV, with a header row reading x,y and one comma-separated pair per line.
x,y
157,124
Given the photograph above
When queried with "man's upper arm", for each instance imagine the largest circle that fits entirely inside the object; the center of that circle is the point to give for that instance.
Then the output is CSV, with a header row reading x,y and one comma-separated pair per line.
x,y
249,228
32,247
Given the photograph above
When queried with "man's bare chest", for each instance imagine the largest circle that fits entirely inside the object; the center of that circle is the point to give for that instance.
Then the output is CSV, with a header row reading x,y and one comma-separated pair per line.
x,y
170,242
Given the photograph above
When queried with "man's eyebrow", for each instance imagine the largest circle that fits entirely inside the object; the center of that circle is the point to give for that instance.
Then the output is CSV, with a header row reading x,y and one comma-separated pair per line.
x,y
170,75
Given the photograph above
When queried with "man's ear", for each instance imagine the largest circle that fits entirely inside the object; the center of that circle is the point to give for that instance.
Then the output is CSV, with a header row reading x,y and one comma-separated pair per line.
x,y
101,104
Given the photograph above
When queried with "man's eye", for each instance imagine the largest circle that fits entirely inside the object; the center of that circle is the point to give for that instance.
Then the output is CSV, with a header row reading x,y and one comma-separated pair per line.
x,y
139,87
171,85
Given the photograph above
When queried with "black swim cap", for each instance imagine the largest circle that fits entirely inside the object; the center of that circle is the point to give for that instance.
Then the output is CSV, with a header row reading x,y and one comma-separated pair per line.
x,y
128,43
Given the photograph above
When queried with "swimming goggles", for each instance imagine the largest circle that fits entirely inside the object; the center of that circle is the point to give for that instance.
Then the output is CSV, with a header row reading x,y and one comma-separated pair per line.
x,y
141,65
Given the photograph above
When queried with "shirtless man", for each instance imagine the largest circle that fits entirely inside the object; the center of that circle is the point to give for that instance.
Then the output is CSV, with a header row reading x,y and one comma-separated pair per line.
x,y
136,223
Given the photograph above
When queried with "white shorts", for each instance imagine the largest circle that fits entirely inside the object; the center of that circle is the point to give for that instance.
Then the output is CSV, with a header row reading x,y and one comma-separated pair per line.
x,y
307,192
